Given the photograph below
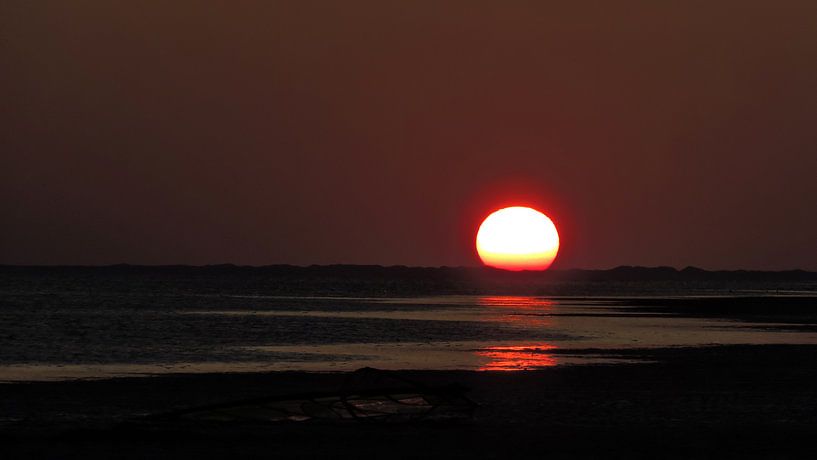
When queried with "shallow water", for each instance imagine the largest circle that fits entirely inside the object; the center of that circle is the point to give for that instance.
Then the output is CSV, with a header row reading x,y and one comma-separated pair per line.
x,y
102,337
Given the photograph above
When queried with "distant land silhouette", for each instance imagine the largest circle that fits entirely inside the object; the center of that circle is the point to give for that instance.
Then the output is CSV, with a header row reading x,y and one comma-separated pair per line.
x,y
621,273
400,281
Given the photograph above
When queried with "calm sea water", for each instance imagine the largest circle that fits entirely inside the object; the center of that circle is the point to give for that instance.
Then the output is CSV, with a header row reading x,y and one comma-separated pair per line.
x,y
94,326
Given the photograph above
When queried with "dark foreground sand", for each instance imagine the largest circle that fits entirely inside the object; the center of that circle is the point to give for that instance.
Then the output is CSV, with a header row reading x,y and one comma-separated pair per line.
x,y
738,401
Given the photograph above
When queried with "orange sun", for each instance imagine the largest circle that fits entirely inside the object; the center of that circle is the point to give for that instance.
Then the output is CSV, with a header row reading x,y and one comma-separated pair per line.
x,y
517,238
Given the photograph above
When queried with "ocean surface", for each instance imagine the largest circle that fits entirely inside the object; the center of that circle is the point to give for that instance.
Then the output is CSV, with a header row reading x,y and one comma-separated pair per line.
x,y
78,324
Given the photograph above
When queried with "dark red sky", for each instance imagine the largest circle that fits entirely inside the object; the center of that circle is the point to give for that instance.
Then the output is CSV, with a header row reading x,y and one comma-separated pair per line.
x,y
653,133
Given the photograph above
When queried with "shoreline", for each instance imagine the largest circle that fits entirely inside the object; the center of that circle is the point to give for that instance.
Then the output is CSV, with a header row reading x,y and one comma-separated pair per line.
x,y
631,329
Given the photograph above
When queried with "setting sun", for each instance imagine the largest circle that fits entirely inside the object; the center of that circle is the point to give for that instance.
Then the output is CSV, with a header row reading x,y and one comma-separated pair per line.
x,y
517,238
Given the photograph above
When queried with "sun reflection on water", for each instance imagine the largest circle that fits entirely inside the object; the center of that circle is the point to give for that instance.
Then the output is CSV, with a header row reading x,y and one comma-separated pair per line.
x,y
521,302
523,312
517,358
517,311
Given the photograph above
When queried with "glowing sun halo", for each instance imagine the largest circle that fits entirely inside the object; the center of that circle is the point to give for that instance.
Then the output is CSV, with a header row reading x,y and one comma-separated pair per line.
x,y
517,238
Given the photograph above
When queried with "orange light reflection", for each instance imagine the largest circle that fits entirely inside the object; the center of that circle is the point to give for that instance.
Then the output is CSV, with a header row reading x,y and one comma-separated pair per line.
x,y
527,312
524,312
521,302
518,358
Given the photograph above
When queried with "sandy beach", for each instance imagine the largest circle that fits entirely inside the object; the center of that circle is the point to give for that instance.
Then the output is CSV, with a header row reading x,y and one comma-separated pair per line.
x,y
733,401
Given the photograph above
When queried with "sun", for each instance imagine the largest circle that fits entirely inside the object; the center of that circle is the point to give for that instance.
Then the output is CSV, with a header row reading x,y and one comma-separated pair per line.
x,y
517,238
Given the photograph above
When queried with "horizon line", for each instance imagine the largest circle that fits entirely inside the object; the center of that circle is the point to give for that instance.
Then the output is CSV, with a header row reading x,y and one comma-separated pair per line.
x,y
426,267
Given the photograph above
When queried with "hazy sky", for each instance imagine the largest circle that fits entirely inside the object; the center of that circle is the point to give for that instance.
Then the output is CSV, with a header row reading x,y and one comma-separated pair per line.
x,y
260,132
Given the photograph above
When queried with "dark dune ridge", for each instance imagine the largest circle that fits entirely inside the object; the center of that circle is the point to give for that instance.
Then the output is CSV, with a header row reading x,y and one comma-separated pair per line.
x,y
375,280
621,273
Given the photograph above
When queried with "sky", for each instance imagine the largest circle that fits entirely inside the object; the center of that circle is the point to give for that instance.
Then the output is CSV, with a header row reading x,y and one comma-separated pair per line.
x,y
383,132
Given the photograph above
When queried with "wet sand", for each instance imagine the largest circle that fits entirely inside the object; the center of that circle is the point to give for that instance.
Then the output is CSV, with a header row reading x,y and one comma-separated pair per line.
x,y
438,332
755,401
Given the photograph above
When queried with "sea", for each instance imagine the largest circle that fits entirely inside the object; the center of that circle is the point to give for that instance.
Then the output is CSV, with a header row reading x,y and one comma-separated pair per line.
x,y
64,323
